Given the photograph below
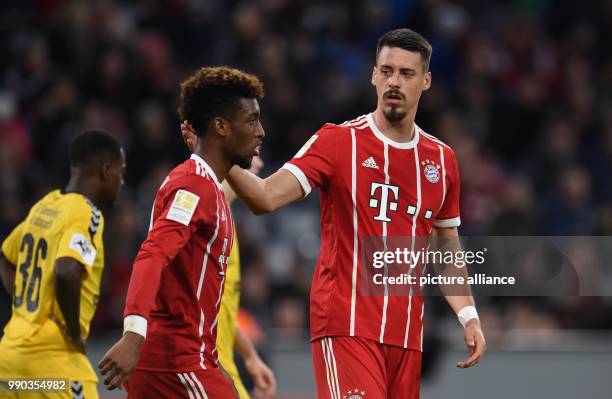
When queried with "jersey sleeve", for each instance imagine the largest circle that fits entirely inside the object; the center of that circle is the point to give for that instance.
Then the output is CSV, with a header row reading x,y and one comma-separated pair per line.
x,y
449,212
10,246
77,239
314,163
182,207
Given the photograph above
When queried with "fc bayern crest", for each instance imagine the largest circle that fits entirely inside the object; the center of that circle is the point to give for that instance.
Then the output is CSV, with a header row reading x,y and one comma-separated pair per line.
x,y
431,170
354,394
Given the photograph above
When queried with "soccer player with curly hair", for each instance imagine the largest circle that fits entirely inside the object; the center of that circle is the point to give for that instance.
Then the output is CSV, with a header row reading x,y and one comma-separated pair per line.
x,y
171,315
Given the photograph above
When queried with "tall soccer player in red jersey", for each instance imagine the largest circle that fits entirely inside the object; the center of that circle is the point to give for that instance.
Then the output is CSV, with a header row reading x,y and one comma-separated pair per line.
x,y
379,175
177,281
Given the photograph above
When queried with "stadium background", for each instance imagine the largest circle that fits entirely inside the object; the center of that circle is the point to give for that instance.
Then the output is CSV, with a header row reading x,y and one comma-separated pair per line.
x,y
522,90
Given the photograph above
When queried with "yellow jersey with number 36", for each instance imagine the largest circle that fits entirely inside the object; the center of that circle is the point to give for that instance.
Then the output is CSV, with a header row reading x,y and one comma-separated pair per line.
x,y
59,225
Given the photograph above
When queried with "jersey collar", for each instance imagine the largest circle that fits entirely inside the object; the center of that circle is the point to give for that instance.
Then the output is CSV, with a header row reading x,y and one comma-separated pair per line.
x,y
206,167
387,140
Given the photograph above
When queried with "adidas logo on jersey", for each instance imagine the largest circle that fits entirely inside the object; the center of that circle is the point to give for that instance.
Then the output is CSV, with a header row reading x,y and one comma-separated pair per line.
x,y
370,163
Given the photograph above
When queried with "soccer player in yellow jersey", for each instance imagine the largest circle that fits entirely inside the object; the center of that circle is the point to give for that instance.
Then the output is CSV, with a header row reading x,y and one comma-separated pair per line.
x,y
229,335
51,265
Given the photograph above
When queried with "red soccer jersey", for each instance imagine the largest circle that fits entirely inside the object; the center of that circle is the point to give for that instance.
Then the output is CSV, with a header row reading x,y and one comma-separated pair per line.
x,y
178,275
371,186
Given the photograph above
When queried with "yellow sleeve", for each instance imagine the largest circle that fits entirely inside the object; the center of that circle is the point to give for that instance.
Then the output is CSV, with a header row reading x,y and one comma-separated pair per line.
x,y
77,239
10,246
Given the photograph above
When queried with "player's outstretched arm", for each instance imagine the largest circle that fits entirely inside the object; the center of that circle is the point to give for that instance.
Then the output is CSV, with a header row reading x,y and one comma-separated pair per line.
x,y
464,308
8,258
68,273
7,274
263,376
265,195
164,241
260,195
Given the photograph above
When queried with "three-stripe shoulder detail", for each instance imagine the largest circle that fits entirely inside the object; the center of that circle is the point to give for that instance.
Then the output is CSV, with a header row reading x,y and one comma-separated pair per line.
x,y
358,123
432,138
94,221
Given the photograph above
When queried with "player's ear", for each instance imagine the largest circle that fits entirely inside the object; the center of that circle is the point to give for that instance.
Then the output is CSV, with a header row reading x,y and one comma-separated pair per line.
x,y
105,170
374,76
427,81
189,136
222,126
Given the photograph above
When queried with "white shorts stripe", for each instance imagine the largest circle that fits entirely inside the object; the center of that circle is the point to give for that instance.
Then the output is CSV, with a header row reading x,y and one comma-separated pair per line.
x,y
328,373
355,239
334,367
192,385
186,385
199,384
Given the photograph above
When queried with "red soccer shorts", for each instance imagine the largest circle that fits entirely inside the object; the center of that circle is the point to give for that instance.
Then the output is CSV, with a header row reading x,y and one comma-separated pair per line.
x,y
199,384
359,368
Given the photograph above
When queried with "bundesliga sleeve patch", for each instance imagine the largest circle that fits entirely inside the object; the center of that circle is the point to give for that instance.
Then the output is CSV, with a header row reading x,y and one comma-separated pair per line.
x,y
183,207
306,146
80,244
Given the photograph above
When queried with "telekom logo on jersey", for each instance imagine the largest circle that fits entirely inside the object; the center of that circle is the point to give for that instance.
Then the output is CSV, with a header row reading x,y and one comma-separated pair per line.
x,y
384,203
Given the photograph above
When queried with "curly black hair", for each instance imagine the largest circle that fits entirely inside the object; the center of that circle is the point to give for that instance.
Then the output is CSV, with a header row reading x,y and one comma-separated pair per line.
x,y
215,91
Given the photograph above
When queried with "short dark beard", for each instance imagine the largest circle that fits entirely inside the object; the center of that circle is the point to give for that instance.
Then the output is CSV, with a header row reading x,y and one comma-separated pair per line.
x,y
243,162
393,115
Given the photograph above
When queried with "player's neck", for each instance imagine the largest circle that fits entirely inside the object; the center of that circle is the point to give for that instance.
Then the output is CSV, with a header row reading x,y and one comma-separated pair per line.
x,y
82,185
401,131
215,159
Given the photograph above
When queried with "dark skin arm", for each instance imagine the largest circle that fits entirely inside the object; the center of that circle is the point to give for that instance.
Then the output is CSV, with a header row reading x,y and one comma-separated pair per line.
x,y
263,377
120,361
68,274
7,274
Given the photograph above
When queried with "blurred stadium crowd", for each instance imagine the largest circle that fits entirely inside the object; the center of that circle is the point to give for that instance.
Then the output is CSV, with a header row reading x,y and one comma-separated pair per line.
x,y
522,90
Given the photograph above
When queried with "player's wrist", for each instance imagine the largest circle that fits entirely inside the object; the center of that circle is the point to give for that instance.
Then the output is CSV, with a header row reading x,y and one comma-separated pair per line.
x,y
134,339
251,359
467,314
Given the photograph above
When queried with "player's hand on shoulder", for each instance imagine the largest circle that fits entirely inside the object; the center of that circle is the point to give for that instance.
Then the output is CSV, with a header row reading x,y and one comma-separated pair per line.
x,y
189,135
475,342
120,361
257,165
263,377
